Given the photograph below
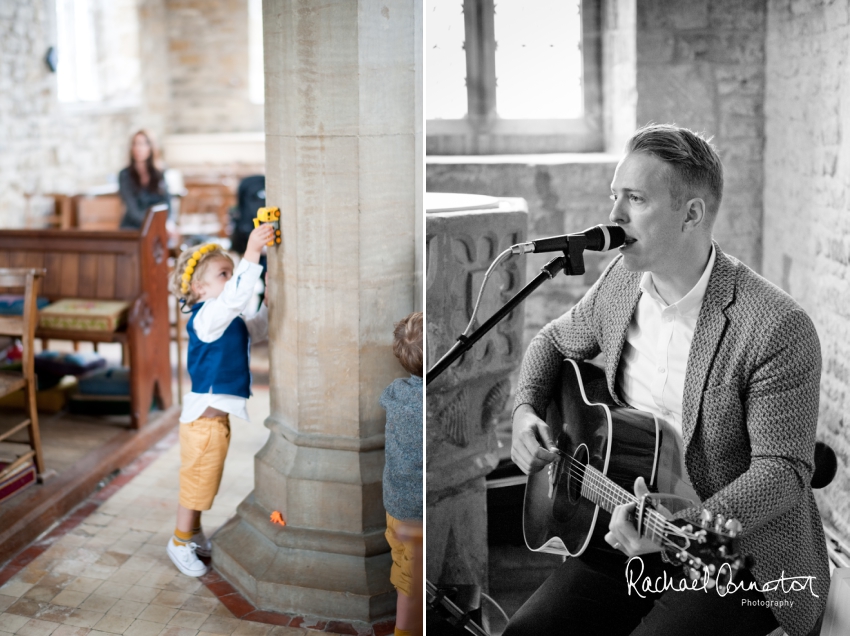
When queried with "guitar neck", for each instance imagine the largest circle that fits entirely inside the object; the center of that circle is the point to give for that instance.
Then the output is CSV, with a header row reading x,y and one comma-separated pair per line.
x,y
608,495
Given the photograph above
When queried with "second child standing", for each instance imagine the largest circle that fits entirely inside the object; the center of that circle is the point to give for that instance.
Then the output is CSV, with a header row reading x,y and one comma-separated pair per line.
x,y
218,364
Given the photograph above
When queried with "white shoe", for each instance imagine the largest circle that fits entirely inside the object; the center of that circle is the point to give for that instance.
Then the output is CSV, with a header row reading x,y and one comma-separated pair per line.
x,y
204,547
184,557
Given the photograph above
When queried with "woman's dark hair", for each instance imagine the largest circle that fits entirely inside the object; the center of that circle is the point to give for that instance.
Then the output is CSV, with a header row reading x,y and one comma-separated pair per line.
x,y
154,173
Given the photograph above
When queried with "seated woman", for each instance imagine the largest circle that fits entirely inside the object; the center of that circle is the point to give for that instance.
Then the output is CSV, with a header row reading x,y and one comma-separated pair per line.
x,y
141,184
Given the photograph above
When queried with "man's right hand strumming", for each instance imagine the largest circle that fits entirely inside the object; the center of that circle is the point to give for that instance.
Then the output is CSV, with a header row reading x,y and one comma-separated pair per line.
x,y
531,441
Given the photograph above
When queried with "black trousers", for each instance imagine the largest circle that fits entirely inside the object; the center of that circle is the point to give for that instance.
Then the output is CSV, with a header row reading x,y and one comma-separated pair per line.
x,y
589,595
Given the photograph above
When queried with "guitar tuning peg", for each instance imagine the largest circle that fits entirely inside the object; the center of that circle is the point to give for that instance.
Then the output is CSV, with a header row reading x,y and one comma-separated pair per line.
x,y
709,583
719,522
693,574
705,518
734,527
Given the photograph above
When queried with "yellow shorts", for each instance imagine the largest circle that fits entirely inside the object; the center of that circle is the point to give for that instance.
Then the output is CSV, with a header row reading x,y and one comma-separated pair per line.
x,y
203,447
401,574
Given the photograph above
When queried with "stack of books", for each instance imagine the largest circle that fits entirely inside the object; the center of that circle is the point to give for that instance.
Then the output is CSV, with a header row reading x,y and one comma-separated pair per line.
x,y
14,477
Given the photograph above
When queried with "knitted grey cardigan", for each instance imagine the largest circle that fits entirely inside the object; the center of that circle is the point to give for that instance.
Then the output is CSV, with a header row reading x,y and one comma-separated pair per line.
x,y
402,401
749,413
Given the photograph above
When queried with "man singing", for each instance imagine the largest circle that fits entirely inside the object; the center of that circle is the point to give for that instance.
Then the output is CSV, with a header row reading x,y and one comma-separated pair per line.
x,y
732,364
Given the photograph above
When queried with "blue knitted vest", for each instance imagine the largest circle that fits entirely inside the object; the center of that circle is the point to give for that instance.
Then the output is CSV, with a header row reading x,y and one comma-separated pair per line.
x,y
222,366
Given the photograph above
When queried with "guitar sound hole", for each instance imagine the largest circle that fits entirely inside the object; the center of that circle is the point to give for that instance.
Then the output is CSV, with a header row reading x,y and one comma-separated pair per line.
x,y
580,458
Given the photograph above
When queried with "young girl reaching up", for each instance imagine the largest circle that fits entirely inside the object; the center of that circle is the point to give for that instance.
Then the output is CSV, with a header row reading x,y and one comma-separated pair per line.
x,y
218,363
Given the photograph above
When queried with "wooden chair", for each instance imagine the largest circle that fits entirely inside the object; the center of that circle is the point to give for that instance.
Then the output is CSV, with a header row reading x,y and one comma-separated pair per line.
x,y
23,327
65,211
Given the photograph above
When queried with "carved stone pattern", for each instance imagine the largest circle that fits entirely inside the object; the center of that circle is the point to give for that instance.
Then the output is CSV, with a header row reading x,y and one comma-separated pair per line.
x,y
474,255
494,403
453,419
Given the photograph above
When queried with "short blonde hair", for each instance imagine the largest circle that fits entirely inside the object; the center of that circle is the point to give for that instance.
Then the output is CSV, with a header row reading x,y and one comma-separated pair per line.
x,y
695,166
407,343
203,257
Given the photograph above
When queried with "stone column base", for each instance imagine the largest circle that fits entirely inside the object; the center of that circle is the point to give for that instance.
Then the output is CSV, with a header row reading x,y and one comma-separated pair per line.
x,y
457,537
304,571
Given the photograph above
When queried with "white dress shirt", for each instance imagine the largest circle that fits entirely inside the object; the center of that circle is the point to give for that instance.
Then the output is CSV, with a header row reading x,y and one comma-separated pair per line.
x,y
651,375
210,323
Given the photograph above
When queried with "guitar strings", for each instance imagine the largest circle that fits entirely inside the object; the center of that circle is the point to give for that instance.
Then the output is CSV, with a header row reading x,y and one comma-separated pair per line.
x,y
655,522
595,483
657,525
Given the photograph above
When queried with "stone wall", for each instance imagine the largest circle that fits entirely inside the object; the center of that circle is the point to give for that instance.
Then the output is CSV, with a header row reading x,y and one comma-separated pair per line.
x,y
46,146
193,72
619,76
208,59
565,193
806,195
700,64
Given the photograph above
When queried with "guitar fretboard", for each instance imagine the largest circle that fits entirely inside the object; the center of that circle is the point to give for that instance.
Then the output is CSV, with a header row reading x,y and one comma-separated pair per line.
x,y
606,494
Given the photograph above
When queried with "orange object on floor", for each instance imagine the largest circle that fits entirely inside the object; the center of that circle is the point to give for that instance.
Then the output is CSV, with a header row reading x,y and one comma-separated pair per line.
x,y
277,518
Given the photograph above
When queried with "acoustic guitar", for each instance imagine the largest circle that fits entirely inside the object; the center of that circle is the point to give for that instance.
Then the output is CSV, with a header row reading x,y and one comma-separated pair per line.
x,y
602,449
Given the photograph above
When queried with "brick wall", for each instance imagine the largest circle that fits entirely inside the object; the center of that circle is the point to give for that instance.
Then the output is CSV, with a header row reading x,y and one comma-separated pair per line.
x,y
700,64
208,56
806,198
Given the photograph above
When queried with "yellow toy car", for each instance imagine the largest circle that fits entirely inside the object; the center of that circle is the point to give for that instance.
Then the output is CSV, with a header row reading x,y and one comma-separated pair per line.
x,y
269,215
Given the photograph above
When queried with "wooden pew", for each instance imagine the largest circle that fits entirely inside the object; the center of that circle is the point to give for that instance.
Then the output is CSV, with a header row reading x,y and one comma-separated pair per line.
x,y
102,212
129,265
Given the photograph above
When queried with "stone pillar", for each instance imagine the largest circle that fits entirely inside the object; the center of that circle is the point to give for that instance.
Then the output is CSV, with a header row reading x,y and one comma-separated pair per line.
x,y
341,165
464,234
619,70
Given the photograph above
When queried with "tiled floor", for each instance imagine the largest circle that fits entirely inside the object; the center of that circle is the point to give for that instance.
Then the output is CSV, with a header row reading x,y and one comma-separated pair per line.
x,y
109,574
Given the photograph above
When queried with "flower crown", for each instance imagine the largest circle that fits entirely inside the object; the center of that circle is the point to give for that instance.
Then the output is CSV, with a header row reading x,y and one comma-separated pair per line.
x,y
193,262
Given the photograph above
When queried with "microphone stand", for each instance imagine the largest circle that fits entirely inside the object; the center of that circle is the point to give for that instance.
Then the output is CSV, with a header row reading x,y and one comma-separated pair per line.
x,y
455,615
571,262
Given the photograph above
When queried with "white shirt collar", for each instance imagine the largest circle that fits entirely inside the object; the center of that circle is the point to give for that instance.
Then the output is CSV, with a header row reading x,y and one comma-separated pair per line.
x,y
690,302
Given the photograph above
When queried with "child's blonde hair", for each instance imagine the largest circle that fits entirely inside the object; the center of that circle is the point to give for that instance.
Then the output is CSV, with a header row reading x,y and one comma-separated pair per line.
x,y
407,342
191,265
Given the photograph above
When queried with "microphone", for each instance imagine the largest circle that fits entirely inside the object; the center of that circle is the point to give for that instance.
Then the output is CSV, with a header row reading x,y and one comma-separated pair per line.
x,y
599,238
